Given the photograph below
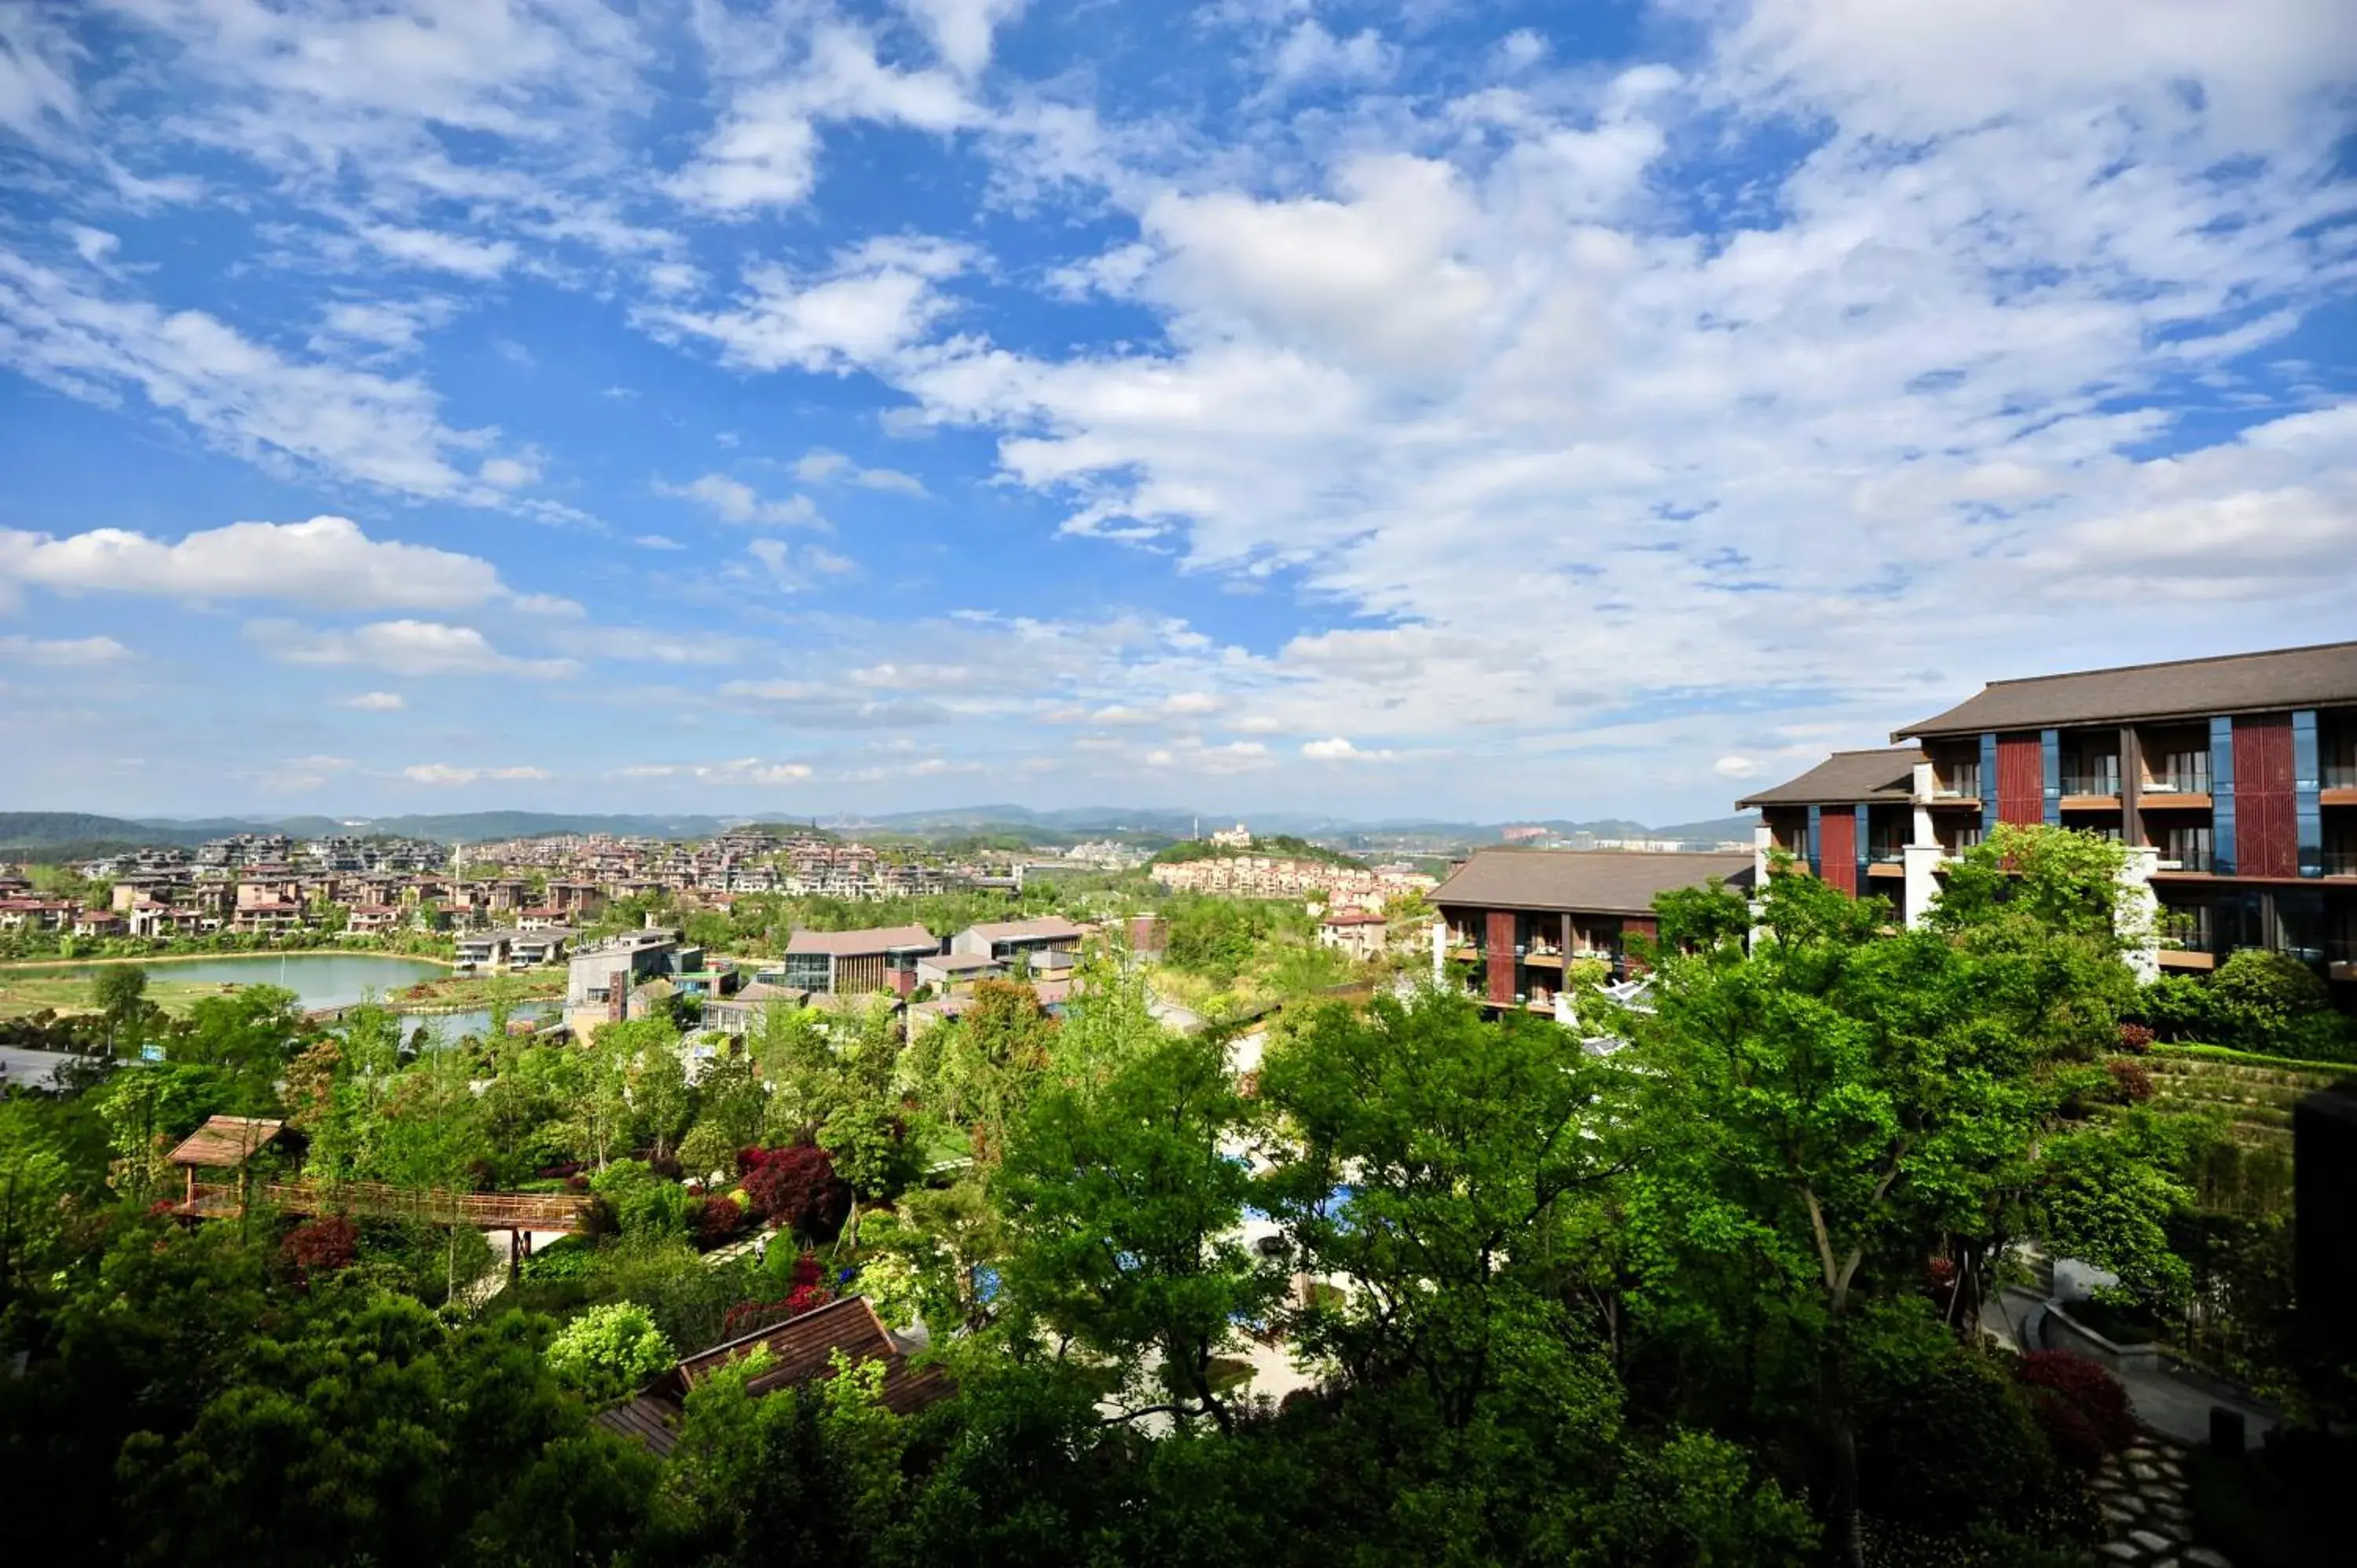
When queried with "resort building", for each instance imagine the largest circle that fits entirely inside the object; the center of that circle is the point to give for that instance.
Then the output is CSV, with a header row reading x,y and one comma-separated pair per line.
x,y
851,963
1519,917
2231,782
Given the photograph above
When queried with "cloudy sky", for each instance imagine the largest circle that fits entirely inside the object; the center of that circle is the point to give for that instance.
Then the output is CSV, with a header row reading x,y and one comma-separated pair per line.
x,y
818,405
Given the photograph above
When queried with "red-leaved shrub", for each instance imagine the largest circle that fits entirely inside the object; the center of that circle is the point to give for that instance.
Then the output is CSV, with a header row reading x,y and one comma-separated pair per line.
x,y
323,1245
797,1188
752,1316
713,1221
808,1270
2136,1038
2080,1406
2130,1080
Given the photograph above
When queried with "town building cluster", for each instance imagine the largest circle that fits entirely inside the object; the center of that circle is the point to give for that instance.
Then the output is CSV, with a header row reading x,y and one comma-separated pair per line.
x,y
1284,876
505,901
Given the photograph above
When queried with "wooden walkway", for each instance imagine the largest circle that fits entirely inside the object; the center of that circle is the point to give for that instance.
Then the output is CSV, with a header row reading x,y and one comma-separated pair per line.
x,y
484,1210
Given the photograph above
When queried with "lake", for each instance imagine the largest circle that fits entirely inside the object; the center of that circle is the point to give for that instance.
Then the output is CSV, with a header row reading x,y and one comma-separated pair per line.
x,y
322,980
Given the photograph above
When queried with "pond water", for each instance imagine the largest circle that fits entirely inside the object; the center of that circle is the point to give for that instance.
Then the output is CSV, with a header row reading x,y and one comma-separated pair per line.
x,y
449,1028
322,980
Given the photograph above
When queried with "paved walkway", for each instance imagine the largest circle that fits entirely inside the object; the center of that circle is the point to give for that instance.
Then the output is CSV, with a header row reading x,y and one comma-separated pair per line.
x,y
2148,1511
2174,1403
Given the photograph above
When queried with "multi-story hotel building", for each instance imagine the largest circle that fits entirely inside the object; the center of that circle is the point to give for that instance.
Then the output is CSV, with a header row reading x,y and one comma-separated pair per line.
x,y
1519,917
2233,782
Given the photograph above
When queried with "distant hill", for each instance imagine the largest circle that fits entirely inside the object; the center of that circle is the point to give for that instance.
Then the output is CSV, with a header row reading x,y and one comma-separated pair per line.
x,y
1283,846
58,829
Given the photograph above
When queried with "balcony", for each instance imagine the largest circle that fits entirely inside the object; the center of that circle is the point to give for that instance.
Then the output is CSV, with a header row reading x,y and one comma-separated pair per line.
x,y
2339,774
2100,783
1885,854
2184,859
2340,862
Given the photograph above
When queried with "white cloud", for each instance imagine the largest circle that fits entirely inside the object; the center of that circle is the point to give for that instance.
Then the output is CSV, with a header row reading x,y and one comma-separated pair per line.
x,y
64,652
508,473
244,395
764,152
439,251
326,562
1310,53
876,301
819,466
961,29
734,501
742,770
402,648
1190,757
373,702
657,542
1735,767
444,773
1338,748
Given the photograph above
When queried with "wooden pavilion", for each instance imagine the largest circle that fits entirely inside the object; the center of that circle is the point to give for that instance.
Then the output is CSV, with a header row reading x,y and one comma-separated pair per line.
x,y
222,1144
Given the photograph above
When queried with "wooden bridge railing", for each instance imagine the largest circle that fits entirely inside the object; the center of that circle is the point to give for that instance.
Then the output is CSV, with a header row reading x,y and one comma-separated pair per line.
x,y
485,1210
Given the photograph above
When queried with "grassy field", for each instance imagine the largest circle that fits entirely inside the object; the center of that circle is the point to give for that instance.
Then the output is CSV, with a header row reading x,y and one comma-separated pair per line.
x,y
23,993
467,993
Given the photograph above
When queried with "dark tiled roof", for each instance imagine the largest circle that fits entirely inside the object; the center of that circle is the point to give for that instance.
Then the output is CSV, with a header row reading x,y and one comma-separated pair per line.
x,y
2321,676
863,944
802,1348
651,1419
1055,928
1604,882
1846,778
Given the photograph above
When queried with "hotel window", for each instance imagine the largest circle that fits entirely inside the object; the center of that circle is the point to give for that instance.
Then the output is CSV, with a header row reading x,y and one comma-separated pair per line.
x,y
2185,849
2184,773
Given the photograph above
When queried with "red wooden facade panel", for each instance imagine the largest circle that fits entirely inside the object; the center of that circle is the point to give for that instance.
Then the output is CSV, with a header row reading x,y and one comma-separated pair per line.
x,y
2266,832
1837,849
1501,940
2020,780
1643,926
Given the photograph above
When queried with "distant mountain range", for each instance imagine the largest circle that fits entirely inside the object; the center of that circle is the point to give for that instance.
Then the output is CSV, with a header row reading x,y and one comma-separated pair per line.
x,y
1004,817
87,834
48,830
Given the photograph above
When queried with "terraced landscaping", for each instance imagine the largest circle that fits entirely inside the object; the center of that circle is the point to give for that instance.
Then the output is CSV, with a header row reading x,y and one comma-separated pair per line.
x,y
2257,1093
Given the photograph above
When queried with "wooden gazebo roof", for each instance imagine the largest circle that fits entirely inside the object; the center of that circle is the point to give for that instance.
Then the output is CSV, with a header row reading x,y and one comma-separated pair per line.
x,y
226,1142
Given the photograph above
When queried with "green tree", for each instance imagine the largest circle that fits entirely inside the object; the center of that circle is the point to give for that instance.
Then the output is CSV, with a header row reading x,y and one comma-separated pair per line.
x,y
608,1352
119,990
1123,1202
1437,1160
1826,1114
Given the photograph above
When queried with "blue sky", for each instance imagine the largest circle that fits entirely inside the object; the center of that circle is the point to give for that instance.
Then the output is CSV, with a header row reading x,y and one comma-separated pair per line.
x,y
1482,410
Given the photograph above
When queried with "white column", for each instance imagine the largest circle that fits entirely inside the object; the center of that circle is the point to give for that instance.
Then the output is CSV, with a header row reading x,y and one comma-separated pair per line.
x,y
2137,917
1922,862
1924,787
1439,952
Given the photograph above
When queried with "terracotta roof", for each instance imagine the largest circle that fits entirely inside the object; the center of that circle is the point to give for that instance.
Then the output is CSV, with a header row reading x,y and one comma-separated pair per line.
x,y
2324,675
225,1140
863,944
1607,882
1050,926
1846,778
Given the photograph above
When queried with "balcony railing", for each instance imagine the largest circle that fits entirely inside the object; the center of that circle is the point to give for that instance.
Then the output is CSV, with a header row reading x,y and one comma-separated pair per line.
x,y
2340,863
2184,860
2098,782
1885,854
2340,775
2181,781
1961,784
